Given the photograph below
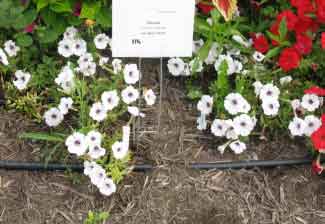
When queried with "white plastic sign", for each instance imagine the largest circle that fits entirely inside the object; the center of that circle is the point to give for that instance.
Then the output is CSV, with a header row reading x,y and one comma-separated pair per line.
x,y
153,28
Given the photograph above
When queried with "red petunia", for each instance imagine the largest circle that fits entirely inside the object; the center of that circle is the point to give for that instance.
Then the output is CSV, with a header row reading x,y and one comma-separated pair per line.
x,y
289,59
290,17
323,40
318,139
315,90
303,44
260,43
320,11
306,24
205,8
30,28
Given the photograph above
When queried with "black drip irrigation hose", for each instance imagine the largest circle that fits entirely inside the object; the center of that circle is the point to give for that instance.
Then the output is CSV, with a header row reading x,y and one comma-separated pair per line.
x,y
249,164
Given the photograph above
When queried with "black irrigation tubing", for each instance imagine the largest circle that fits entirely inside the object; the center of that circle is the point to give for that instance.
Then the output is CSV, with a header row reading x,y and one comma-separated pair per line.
x,y
249,164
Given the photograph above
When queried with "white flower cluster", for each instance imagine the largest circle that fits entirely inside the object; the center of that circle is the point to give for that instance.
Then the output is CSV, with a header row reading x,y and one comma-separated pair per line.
x,y
309,103
65,79
269,95
240,126
54,116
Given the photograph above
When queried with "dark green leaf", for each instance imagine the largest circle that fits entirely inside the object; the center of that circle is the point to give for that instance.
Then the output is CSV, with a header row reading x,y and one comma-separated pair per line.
x,y
61,6
104,17
24,40
55,137
25,19
90,9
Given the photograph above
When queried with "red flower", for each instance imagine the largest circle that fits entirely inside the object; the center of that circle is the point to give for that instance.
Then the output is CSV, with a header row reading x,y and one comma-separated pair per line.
x,y
316,167
315,90
260,43
323,40
290,17
320,11
77,8
205,8
318,139
289,59
30,28
306,24
303,44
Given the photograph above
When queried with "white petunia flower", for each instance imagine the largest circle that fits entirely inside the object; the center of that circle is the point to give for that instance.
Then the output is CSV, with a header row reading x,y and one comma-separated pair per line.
x,y
135,111
213,54
285,80
237,147
119,150
3,57
22,79
96,151
53,117
79,47
149,97
88,70
241,40
85,59
117,65
11,48
130,95
313,123
98,112
103,61
238,66
131,74
94,138
101,41
70,33
65,105
89,167
66,47
257,87
107,187
219,127
269,91
270,107
76,144
243,125
235,103
97,176
310,102
196,66
258,56
230,62
65,79
197,44
176,66
202,122
297,127
110,99
205,105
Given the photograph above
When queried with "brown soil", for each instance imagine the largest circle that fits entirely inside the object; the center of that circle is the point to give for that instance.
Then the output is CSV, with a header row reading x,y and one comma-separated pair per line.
x,y
171,193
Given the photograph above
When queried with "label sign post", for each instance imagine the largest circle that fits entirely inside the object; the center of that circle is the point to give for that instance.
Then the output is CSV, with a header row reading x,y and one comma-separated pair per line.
x,y
153,28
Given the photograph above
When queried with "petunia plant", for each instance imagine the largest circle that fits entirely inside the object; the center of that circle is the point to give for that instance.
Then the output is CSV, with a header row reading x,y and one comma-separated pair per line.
x,y
90,96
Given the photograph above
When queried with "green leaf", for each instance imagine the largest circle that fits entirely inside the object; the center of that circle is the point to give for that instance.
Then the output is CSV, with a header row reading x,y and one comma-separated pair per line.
x,y
283,30
55,137
273,52
42,4
222,82
104,17
74,20
204,50
202,27
61,6
49,17
273,36
25,19
24,40
90,9
47,35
